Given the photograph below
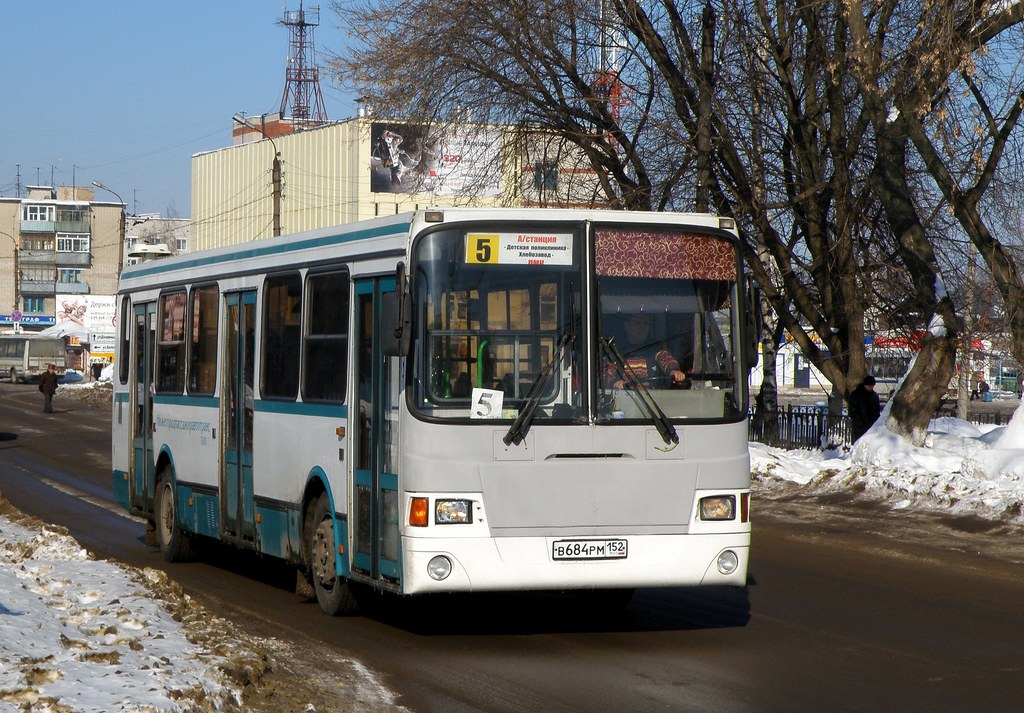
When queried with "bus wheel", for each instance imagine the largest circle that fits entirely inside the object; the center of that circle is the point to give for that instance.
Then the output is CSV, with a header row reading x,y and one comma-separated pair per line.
x,y
333,593
174,543
14,375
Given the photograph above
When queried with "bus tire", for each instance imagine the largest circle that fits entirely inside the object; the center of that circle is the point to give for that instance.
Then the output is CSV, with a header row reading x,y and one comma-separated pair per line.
x,y
333,592
14,375
174,543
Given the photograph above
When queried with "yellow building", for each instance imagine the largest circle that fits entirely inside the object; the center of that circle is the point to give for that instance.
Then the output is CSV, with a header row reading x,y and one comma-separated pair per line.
x,y
367,167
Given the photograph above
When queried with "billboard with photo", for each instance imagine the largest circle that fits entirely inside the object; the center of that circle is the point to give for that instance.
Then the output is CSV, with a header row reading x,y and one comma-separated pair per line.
x,y
457,160
93,314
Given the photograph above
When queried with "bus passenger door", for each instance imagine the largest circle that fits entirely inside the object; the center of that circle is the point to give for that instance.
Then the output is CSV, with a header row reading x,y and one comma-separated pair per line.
x,y
237,405
376,512
141,483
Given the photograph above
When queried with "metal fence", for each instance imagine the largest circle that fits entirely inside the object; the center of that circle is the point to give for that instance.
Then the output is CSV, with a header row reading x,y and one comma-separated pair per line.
x,y
799,427
796,427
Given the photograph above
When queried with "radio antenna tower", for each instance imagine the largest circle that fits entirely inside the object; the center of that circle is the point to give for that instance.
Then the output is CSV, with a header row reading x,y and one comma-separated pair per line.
x,y
302,98
607,84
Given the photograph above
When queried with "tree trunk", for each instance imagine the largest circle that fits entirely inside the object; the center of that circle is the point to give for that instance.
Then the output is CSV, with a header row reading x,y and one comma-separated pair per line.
x,y
922,391
766,404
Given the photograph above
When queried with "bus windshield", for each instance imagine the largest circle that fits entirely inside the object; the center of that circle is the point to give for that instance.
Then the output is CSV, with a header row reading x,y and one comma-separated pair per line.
x,y
666,324
496,309
501,329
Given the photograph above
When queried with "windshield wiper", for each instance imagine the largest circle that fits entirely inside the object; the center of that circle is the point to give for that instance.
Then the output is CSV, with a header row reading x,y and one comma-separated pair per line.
x,y
650,404
517,432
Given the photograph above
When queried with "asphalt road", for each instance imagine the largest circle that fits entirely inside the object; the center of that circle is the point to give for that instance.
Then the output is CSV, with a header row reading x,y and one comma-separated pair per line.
x,y
849,608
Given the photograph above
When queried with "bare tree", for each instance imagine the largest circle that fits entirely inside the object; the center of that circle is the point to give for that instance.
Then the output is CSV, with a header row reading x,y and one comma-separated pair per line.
x,y
818,134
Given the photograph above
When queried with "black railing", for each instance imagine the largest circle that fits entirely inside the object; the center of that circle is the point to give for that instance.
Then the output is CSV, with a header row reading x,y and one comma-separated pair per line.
x,y
796,427
799,427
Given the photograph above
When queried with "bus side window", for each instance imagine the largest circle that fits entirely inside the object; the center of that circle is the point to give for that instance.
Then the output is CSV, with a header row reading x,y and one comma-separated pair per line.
x,y
282,302
325,338
125,329
171,344
202,368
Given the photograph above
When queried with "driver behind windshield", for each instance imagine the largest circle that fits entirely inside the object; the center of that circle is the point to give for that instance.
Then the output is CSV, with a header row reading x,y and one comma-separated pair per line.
x,y
648,361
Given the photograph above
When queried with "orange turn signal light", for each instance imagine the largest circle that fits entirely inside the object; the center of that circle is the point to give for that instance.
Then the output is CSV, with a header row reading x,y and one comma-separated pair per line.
x,y
419,508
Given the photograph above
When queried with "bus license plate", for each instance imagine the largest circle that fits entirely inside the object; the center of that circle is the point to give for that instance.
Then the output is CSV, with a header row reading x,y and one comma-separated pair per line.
x,y
588,550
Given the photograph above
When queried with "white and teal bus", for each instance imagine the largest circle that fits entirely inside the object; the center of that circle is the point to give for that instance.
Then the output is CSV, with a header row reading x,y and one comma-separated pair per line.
x,y
447,400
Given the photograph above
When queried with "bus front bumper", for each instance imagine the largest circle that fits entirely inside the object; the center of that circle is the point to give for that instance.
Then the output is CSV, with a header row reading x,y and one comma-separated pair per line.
x,y
555,563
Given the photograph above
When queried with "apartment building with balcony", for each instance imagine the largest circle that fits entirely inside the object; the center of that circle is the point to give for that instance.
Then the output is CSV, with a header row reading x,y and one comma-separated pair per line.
x,y
150,235
56,244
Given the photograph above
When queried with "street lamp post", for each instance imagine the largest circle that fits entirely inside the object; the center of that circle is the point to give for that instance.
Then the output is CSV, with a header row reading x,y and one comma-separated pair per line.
x,y
120,242
17,279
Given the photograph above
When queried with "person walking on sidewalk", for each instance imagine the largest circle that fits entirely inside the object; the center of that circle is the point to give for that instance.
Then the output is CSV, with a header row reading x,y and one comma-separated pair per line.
x,y
48,386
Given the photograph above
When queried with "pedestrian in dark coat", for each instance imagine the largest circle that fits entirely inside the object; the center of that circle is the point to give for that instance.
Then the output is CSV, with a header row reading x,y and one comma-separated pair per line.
x,y
864,407
48,385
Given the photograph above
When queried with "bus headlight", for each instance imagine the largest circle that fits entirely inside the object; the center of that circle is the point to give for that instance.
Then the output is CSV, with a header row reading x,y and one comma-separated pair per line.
x,y
453,512
718,507
439,567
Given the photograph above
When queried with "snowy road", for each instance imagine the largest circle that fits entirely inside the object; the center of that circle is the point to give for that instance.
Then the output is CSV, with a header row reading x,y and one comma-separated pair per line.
x,y
854,605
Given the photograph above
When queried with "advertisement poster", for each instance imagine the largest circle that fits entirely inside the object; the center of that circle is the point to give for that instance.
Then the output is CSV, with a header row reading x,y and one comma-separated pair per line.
x,y
82,315
408,158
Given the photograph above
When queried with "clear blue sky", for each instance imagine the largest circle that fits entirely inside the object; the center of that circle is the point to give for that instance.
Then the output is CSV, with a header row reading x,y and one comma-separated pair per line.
x,y
125,91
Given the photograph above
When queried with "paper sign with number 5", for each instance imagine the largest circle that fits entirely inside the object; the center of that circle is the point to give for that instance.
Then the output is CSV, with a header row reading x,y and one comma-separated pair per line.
x,y
486,403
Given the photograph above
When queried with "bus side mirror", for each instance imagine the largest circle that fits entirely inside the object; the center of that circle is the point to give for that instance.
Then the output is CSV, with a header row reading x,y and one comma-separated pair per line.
x,y
395,333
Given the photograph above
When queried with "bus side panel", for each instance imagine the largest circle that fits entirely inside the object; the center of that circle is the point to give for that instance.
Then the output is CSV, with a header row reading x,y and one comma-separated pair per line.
x,y
292,443
119,436
188,432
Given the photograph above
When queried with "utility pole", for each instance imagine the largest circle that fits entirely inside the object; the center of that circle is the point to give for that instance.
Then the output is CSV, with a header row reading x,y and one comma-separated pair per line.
x,y
275,178
275,173
122,226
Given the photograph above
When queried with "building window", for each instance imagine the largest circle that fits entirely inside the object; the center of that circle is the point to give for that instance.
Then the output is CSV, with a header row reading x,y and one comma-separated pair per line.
x,y
37,243
545,175
69,276
181,245
37,273
72,215
72,242
35,305
37,212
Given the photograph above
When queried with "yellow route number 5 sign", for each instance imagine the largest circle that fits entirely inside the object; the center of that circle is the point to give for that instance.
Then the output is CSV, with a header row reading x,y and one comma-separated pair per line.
x,y
482,248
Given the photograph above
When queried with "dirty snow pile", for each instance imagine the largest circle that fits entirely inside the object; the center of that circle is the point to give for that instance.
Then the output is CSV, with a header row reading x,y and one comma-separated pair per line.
x,y
78,634
962,468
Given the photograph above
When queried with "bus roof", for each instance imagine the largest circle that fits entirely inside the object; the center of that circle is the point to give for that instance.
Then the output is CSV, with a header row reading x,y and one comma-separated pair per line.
x,y
384,238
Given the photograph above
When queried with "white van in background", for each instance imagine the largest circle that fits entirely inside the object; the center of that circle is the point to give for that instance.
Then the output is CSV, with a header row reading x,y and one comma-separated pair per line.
x,y
23,357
